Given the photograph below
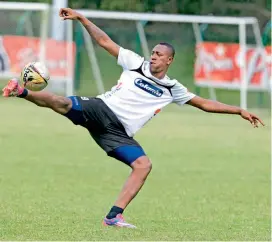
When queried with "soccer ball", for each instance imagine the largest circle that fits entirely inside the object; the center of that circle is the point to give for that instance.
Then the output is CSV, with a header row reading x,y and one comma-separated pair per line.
x,y
35,76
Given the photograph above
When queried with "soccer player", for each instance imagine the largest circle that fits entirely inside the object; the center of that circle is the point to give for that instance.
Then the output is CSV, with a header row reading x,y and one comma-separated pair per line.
x,y
113,118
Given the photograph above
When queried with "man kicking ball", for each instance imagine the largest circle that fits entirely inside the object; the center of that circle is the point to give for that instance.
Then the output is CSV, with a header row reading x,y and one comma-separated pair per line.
x,y
113,118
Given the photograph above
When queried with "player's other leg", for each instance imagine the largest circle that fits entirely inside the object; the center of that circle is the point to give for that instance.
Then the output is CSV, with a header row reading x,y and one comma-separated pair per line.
x,y
141,166
59,104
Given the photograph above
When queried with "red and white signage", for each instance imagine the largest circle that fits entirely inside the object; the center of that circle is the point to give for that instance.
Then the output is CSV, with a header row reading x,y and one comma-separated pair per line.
x,y
220,64
17,51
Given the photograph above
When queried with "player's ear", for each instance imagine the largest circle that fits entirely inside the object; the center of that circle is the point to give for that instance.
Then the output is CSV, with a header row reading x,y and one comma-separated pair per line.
x,y
170,60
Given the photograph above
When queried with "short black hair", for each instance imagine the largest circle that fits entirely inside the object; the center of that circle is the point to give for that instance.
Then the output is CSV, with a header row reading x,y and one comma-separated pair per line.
x,y
171,47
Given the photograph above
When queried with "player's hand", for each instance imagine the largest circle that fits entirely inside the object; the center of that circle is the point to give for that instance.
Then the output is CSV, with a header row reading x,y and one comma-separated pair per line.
x,y
252,118
68,13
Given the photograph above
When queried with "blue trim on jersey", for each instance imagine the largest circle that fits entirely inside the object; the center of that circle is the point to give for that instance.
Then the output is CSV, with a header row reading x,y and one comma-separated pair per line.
x,y
75,103
127,153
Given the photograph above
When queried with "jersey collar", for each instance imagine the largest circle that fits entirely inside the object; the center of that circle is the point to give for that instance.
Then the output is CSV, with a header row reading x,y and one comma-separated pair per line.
x,y
166,81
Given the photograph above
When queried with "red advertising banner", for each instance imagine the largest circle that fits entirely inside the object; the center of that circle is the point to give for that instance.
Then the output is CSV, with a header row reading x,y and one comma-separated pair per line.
x,y
16,51
220,63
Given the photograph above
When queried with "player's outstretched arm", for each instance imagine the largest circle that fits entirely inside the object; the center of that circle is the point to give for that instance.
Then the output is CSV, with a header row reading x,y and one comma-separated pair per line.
x,y
96,33
217,107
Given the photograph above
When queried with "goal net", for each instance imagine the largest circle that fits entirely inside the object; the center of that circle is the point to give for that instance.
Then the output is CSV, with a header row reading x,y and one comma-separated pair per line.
x,y
26,36
213,54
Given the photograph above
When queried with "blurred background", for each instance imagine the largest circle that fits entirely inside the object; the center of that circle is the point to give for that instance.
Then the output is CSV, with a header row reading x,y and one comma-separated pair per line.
x,y
211,177
257,8
84,72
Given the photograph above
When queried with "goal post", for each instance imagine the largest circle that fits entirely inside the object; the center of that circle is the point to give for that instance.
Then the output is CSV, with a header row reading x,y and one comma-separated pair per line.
x,y
243,83
25,37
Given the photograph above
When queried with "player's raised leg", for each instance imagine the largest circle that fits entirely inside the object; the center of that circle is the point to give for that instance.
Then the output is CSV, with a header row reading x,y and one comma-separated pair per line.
x,y
57,103
141,167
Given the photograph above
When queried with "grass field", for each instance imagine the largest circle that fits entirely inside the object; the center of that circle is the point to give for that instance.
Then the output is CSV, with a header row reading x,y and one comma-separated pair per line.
x,y
210,178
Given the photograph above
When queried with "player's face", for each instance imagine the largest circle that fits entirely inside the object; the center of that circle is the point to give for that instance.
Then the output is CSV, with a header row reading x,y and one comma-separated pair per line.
x,y
160,58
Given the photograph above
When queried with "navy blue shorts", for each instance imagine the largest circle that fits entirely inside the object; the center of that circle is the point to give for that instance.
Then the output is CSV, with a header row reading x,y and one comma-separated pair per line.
x,y
105,128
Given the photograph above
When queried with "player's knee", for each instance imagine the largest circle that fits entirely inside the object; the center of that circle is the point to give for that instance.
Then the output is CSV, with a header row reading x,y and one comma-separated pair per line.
x,y
61,104
143,163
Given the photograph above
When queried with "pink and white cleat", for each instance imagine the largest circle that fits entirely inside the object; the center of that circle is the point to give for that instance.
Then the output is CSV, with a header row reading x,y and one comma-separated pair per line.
x,y
12,89
118,221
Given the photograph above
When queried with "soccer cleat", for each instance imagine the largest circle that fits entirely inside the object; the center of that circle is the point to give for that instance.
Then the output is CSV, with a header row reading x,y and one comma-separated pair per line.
x,y
12,89
118,221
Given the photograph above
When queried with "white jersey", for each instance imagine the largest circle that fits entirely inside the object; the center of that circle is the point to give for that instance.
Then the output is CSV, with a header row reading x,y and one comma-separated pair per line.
x,y
139,96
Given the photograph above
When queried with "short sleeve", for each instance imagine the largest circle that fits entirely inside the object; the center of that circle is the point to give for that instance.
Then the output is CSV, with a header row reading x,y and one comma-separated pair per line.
x,y
181,95
128,59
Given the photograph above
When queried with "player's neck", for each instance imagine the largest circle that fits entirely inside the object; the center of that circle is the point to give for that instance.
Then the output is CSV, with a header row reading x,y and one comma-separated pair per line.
x,y
159,75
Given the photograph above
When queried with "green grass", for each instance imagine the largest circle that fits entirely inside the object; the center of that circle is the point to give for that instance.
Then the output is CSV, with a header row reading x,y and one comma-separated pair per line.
x,y
210,178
